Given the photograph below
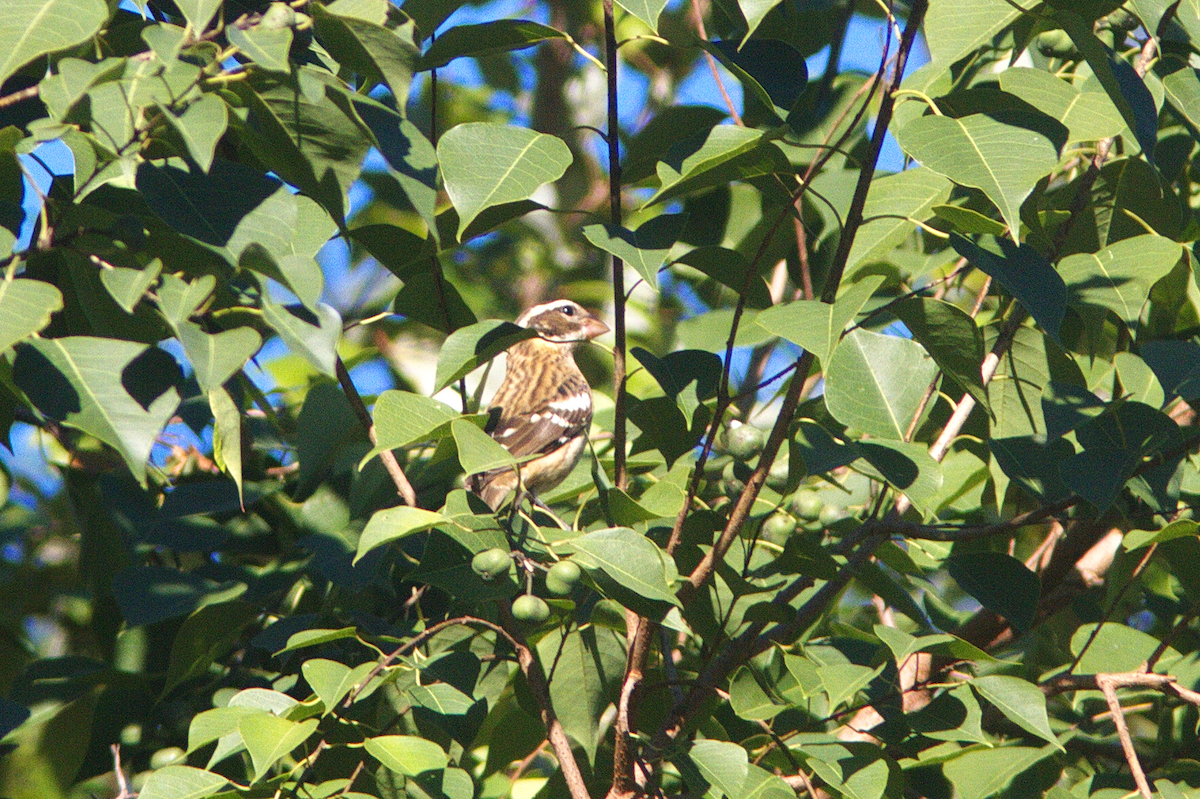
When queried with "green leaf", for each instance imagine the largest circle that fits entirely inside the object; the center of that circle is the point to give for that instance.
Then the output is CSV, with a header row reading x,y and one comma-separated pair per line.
x,y
1125,88
433,300
876,383
956,29
1023,272
1003,161
269,738
369,47
179,299
203,637
227,435
268,47
841,681
773,71
181,782
1120,276
392,524
30,28
1088,115
118,391
587,668
1098,474
312,336
953,716
894,200
217,357
403,419
1116,648
1001,583
630,560
201,125
198,13
127,286
669,127
25,308
331,681
407,754
306,638
1020,700
306,137
1138,381
497,36
647,11
817,326
710,331
726,153
477,451
1033,464
1181,528
687,376
486,165
949,335
906,466
645,249
1182,89
723,765
984,773
469,347
965,220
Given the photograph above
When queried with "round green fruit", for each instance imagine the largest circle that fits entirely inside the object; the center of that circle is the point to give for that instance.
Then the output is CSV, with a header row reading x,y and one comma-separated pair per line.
x,y
831,514
491,563
530,609
778,528
807,505
744,441
562,577
167,756
777,477
1056,44
221,696
731,484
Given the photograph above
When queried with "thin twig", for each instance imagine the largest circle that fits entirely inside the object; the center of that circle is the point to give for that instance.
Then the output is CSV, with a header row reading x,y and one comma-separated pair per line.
x,y
620,478
18,96
403,487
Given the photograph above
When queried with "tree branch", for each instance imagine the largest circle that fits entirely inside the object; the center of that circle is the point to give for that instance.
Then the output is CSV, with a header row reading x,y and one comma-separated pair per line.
x,y
403,487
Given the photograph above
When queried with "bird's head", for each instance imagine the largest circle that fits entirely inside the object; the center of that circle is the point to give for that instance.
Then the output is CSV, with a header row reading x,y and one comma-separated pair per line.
x,y
562,322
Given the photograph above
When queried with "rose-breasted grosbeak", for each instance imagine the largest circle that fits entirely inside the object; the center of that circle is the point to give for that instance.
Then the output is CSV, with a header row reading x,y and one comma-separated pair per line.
x,y
544,405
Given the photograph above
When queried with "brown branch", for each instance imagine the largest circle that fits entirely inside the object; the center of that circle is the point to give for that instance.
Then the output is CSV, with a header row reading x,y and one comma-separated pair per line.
x,y
1107,687
16,97
620,478
698,18
539,688
403,487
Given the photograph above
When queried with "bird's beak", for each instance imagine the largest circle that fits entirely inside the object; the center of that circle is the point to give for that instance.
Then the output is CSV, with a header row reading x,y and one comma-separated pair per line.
x,y
593,327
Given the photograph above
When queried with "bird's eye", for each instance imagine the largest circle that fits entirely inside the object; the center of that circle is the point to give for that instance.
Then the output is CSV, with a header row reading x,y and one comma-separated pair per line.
x,y
568,310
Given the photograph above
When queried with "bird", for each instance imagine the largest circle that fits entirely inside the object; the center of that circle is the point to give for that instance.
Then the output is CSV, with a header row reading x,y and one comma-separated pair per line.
x,y
543,408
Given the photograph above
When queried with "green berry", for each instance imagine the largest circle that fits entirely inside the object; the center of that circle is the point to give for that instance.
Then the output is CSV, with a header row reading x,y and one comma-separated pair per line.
x,y
777,476
744,441
530,609
778,528
167,756
491,563
831,514
807,505
562,577
731,483
1056,44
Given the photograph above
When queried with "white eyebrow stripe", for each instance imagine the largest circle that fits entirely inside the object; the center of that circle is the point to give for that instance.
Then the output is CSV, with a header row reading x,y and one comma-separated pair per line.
x,y
579,402
523,319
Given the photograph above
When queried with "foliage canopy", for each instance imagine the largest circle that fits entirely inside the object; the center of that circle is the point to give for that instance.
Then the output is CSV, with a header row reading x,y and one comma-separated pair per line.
x,y
891,484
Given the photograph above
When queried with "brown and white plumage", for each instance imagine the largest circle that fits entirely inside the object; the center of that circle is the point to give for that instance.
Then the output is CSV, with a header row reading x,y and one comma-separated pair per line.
x,y
544,405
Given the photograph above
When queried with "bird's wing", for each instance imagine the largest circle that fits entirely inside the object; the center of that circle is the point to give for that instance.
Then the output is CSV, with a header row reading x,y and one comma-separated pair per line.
x,y
526,427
